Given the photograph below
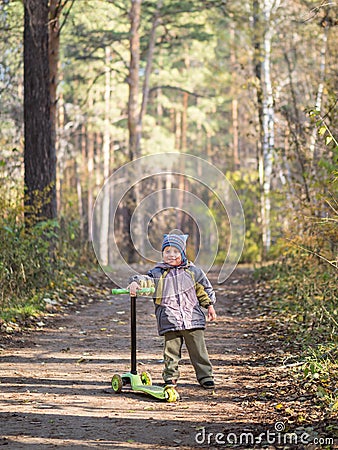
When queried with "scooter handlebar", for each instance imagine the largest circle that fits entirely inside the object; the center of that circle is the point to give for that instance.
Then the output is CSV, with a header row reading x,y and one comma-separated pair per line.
x,y
141,291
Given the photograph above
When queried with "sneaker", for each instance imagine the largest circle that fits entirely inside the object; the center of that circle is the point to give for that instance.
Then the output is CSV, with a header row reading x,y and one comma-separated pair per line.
x,y
208,384
172,383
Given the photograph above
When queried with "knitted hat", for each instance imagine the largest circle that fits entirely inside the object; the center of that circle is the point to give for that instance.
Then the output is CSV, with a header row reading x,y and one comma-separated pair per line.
x,y
176,240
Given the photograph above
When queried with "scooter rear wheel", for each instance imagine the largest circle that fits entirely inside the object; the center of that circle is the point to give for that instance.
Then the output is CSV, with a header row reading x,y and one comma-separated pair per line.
x,y
117,383
171,395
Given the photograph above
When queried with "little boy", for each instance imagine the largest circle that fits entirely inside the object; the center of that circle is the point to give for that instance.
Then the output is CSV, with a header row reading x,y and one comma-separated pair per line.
x,y
181,290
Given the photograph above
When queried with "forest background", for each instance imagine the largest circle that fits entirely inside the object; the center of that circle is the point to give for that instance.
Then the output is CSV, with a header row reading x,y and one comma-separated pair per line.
x,y
87,86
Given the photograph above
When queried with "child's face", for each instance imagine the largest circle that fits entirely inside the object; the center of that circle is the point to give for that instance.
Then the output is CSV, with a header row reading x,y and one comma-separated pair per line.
x,y
172,256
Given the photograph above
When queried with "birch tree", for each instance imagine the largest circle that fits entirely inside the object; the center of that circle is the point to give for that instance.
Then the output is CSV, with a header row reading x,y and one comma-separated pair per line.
x,y
321,82
263,33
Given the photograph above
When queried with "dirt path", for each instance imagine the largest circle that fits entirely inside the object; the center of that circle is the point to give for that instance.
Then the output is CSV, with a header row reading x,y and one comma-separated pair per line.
x,y
55,383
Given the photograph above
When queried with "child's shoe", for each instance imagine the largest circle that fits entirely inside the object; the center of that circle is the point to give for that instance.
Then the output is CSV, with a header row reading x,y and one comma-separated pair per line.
x,y
209,384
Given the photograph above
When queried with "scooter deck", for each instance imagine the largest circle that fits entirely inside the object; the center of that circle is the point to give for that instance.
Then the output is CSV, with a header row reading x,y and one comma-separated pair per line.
x,y
167,393
137,385
155,391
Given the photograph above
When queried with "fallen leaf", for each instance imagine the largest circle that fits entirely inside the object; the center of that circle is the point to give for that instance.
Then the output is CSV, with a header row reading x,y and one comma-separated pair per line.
x,y
81,360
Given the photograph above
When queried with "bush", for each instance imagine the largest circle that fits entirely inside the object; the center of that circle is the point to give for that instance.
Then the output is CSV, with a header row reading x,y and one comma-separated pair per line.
x,y
26,258
34,261
304,292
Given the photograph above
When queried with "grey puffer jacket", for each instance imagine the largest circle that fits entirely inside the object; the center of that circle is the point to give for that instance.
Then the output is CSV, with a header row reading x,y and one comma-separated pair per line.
x,y
180,294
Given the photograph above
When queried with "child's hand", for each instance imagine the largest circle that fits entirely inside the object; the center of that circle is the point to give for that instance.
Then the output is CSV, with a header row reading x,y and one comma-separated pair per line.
x,y
211,313
133,288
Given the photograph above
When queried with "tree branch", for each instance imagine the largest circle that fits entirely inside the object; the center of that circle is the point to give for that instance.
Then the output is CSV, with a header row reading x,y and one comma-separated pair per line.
x,y
177,88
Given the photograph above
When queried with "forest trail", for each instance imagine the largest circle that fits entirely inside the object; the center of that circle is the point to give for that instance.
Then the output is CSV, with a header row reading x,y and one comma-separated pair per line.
x,y
55,382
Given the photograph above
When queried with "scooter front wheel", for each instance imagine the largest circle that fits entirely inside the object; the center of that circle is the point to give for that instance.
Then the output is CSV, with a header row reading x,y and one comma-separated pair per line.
x,y
146,379
171,395
117,383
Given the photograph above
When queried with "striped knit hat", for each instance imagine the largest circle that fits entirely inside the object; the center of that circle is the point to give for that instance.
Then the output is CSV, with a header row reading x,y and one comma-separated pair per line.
x,y
176,240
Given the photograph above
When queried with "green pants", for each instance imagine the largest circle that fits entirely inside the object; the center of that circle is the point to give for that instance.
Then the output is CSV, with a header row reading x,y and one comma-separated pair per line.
x,y
195,343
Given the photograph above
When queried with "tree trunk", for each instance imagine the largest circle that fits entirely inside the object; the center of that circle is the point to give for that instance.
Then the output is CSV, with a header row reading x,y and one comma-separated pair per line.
x,y
135,117
268,125
77,173
319,97
262,63
168,189
235,134
234,105
61,151
39,151
90,170
106,133
183,148
98,160
133,114
150,57
297,134
184,123
133,79
54,50
259,91
178,129
104,228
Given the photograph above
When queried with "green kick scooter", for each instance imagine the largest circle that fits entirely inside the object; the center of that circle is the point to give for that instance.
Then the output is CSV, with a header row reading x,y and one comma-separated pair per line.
x,y
140,382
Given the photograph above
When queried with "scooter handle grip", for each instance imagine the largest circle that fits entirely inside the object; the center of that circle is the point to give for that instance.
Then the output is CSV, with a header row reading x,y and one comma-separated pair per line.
x,y
146,291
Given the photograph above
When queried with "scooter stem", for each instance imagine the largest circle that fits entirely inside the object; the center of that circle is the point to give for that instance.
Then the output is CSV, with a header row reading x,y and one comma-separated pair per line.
x,y
133,332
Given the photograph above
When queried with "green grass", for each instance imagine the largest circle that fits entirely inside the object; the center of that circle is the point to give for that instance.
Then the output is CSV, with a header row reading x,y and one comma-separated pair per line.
x,y
22,312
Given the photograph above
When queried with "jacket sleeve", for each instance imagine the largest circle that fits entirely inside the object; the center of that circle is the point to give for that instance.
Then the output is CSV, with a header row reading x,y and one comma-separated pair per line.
x,y
204,290
144,281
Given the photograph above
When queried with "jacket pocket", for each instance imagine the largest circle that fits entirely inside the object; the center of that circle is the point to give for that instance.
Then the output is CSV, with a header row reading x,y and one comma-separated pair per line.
x,y
198,317
166,320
